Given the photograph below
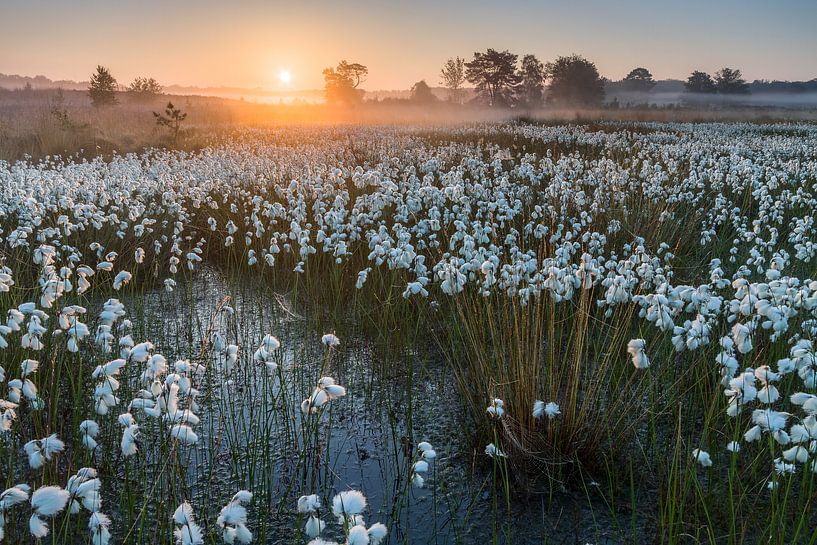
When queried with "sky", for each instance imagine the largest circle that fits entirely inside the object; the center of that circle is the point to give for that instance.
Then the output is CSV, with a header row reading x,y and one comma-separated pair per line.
x,y
248,43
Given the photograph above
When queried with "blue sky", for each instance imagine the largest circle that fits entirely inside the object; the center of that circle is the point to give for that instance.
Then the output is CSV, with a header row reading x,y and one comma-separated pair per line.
x,y
248,43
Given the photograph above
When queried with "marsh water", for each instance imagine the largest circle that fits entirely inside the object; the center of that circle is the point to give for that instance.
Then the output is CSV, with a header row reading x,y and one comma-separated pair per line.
x,y
253,435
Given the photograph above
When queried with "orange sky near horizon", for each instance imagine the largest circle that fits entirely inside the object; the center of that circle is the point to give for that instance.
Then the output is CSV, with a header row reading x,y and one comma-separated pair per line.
x,y
248,43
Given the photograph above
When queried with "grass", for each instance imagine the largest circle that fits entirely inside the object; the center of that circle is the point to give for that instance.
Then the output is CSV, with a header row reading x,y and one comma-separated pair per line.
x,y
621,445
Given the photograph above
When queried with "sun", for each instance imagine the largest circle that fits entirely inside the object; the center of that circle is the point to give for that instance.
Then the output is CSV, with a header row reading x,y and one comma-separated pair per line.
x,y
284,76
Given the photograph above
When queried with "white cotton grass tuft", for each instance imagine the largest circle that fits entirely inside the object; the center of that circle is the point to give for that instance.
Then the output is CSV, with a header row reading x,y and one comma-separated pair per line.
x,y
348,504
309,504
636,349
129,435
41,450
377,533
266,352
330,340
46,501
427,451
551,409
314,526
187,532
231,355
28,366
494,452
357,535
84,489
233,519
121,279
497,408
184,433
420,467
733,447
15,495
99,525
10,497
797,453
334,391
327,390
702,457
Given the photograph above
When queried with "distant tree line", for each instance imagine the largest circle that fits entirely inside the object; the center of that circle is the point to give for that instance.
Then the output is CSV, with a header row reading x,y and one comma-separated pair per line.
x,y
766,86
727,81
500,78
103,87
503,79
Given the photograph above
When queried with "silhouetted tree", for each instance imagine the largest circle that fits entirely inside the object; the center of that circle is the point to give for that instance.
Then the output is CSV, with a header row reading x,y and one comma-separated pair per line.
x,y
494,75
729,81
144,88
453,77
532,85
171,118
575,81
102,88
421,92
699,82
639,80
342,82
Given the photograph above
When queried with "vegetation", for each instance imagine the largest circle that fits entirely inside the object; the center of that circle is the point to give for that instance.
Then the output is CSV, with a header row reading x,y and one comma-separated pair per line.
x,y
342,83
172,119
102,87
653,383
700,82
453,78
729,81
421,93
494,75
144,89
574,81
639,80
531,91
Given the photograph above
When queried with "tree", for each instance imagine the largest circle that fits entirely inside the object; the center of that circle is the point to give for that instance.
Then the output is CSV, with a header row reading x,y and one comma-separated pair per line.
x,y
639,80
172,119
102,88
699,82
532,85
729,81
453,77
144,88
421,92
342,82
574,81
494,75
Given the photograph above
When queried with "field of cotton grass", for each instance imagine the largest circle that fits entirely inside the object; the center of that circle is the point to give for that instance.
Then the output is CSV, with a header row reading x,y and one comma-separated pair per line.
x,y
494,333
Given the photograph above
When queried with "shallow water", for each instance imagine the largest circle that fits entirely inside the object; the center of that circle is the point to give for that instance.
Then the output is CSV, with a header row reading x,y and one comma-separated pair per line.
x,y
253,435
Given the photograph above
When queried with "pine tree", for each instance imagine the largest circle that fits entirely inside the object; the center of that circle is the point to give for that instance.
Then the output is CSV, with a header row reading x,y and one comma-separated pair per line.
x,y
531,90
144,89
102,88
494,75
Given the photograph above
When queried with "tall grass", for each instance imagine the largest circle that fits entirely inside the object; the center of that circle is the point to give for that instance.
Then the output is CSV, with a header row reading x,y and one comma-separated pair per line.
x,y
621,444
